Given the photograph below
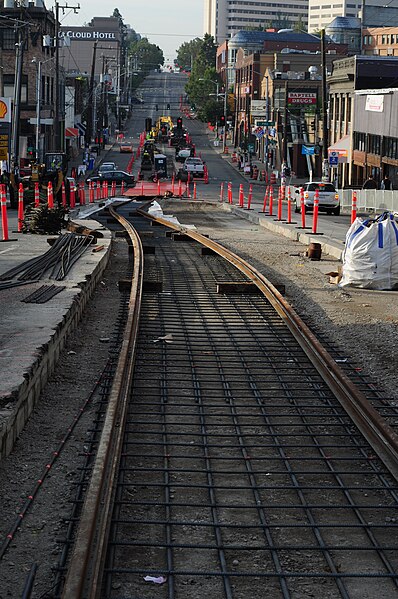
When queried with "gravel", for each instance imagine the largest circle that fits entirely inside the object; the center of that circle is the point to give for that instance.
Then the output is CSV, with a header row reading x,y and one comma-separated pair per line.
x,y
362,323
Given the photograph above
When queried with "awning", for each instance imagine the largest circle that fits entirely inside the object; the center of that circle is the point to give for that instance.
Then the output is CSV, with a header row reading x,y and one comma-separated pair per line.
x,y
72,132
342,147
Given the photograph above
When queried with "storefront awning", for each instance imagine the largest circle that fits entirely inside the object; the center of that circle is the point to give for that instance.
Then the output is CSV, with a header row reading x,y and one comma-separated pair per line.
x,y
342,147
72,132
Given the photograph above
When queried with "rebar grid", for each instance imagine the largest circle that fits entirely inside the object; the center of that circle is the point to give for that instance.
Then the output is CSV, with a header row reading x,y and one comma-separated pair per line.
x,y
241,472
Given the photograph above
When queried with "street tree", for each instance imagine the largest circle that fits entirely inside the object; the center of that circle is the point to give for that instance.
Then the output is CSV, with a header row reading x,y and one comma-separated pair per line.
x,y
148,56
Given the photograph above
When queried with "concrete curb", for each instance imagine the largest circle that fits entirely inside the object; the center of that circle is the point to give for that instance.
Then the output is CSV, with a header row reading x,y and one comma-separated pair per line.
x,y
329,246
22,400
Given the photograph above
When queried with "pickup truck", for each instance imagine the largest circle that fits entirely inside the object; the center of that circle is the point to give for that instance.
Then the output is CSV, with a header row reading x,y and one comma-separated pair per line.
x,y
194,166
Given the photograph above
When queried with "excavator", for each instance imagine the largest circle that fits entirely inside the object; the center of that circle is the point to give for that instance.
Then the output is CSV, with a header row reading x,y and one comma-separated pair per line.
x,y
53,169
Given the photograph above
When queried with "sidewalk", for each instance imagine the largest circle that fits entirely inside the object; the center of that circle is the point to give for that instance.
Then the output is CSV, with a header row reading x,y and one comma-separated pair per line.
x,y
256,163
75,162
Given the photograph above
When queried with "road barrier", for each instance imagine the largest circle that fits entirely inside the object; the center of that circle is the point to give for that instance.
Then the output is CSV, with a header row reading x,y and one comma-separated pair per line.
x,y
50,195
194,190
289,206
20,207
250,197
279,212
222,191
315,213
91,192
72,197
37,195
4,217
63,194
353,206
230,193
241,196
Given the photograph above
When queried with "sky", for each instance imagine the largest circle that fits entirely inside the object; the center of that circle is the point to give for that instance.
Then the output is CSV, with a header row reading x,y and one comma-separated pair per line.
x,y
166,23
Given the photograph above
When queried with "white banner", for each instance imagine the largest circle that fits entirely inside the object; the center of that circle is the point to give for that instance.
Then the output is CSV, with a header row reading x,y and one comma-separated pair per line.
x,y
374,103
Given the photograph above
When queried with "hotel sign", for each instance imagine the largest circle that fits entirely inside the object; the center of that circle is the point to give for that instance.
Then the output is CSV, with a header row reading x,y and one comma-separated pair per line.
x,y
88,33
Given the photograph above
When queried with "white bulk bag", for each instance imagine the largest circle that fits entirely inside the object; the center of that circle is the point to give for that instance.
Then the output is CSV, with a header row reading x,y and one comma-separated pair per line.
x,y
370,258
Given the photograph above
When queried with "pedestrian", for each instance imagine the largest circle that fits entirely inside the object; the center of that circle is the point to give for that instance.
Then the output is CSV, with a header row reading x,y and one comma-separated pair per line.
x,y
386,183
370,183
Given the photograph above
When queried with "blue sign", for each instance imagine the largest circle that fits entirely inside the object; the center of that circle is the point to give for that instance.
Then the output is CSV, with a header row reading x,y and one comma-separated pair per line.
x,y
333,158
308,150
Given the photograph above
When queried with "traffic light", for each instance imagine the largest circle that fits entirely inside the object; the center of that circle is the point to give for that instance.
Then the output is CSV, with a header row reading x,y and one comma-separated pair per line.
x,y
179,123
222,120
168,106
313,125
31,152
148,124
156,106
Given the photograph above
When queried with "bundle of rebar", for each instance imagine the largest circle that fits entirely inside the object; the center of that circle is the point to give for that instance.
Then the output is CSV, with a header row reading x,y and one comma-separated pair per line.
x,y
55,263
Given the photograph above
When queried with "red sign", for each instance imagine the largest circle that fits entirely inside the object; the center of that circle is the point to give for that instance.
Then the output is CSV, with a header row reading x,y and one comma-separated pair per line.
x,y
301,98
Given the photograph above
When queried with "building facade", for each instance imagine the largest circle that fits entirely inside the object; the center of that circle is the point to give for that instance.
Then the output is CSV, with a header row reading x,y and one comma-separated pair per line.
x,y
360,123
380,41
376,12
32,44
224,18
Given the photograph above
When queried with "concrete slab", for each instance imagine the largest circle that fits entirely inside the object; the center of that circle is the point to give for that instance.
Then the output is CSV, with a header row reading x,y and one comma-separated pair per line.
x,y
32,335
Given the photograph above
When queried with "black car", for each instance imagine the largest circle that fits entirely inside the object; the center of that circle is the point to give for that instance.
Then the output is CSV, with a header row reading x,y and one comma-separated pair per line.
x,y
118,176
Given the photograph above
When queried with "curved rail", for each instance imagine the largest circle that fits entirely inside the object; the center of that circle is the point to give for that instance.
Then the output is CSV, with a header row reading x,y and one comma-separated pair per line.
x,y
373,427
84,572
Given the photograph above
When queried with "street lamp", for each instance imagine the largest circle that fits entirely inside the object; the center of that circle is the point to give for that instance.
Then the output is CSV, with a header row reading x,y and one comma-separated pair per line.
x,y
224,95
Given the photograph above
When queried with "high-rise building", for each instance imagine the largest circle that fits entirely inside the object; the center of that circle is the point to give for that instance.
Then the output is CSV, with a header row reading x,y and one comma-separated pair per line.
x,y
377,13
224,18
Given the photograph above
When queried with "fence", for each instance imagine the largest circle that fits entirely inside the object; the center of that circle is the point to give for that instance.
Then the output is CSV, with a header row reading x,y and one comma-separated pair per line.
x,y
370,200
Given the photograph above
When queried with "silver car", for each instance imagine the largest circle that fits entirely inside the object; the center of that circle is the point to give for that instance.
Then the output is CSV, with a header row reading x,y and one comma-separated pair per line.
x,y
107,166
328,197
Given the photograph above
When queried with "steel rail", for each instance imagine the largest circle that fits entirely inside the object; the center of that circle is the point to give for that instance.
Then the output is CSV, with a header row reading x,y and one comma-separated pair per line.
x,y
84,574
373,427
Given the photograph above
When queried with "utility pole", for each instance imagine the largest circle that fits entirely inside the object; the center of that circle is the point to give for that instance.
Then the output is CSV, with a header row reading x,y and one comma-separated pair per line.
x,y
17,101
59,139
325,144
89,120
38,105
285,119
267,121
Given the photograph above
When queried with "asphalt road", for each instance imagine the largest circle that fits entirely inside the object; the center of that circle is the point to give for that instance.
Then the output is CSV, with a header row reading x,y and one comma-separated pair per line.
x,y
161,89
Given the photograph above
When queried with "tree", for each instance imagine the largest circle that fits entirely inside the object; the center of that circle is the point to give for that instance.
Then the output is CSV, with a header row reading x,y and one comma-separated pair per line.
x,y
188,52
148,56
116,13
202,83
208,50
300,26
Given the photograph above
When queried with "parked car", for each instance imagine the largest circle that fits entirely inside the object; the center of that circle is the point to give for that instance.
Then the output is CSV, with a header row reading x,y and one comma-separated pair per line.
x,y
107,166
195,166
126,148
182,153
118,176
136,100
328,197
